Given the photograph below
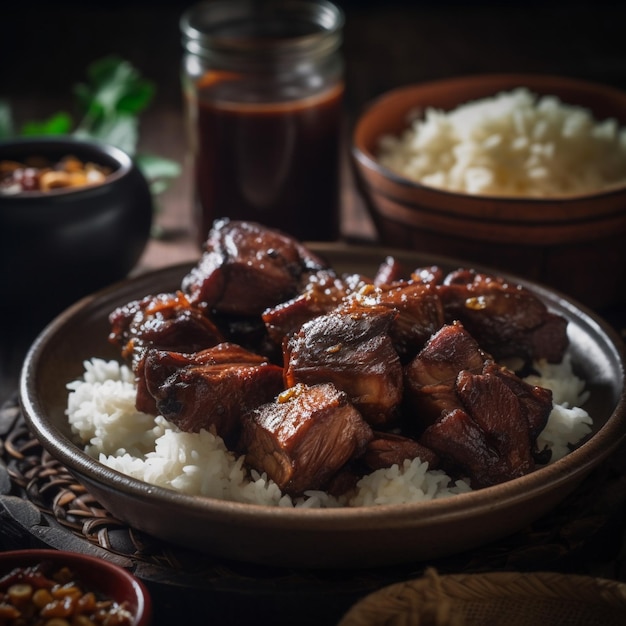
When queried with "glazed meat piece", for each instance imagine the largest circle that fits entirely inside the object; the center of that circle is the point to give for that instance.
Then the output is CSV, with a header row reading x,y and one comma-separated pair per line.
x,y
418,307
246,268
323,292
430,377
304,437
500,416
487,437
351,348
419,312
464,450
506,319
390,271
210,389
387,449
430,275
497,411
166,321
535,402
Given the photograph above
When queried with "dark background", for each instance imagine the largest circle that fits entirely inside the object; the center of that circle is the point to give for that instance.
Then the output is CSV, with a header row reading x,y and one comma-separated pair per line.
x,y
46,47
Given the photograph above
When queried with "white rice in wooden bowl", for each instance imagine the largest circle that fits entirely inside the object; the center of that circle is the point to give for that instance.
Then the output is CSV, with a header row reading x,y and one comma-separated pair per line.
x,y
515,143
101,411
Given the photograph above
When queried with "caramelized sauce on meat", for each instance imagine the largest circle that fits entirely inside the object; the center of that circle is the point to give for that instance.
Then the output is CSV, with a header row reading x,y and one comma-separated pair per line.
x,y
304,437
506,319
210,389
351,348
246,268
167,321
317,378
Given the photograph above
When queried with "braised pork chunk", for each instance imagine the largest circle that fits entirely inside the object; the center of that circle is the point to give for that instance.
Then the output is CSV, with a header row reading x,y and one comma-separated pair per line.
x,y
430,378
246,268
165,321
318,377
304,437
351,348
506,319
210,389
457,389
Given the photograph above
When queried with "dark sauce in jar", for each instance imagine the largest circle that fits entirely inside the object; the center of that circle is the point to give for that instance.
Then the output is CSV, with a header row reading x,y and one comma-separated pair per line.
x,y
265,101
275,163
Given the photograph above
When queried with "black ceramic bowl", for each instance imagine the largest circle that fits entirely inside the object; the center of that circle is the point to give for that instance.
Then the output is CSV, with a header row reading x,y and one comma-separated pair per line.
x,y
59,245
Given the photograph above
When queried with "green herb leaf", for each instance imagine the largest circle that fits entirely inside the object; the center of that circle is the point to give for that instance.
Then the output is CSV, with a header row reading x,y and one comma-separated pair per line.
x,y
58,124
120,130
115,87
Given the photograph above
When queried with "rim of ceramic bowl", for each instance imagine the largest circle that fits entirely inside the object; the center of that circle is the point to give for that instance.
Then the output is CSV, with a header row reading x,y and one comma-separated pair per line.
x,y
99,152
493,83
81,562
285,536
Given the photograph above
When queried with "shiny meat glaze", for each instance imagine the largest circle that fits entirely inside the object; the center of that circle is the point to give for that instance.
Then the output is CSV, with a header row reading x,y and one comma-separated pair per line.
x,y
320,378
463,392
323,292
351,348
167,321
430,377
535,402
246,268
418,313
506,319
210,389
497,411
305,437
386,449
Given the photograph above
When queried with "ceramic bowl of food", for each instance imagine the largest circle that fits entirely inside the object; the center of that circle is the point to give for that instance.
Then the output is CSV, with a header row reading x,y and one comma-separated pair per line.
x,y
201,498
36,583
75,216
510,181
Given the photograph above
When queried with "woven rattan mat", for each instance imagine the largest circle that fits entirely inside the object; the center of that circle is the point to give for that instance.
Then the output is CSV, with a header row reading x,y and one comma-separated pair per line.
x,y
41,503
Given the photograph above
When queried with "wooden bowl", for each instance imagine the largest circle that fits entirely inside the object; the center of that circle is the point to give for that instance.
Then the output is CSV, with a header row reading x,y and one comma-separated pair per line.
x,y
574,244
546,598
345,538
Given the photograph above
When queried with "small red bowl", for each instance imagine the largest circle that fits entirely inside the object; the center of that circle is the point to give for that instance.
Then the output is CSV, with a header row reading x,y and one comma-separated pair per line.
x,y
93,574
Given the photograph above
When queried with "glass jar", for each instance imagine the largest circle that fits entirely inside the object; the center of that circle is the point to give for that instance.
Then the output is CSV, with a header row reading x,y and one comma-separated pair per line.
x,y
263,86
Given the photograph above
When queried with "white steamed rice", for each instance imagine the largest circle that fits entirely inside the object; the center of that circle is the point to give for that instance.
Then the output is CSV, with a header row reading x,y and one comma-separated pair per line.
x,y
515,143
101,411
